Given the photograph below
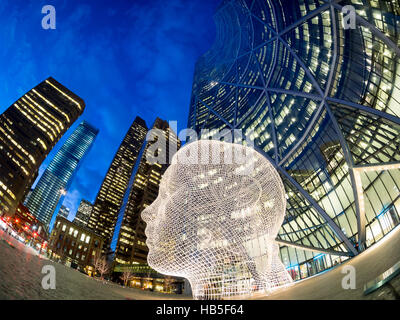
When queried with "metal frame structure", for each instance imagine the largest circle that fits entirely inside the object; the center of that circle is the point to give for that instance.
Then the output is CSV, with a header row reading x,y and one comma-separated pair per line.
x,y
214,221
324,96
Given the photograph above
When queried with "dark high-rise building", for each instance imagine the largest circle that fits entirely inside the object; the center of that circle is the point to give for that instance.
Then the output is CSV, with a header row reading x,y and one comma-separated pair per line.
x,y
321,102
58,176
129,239
29,129
83,214
109,199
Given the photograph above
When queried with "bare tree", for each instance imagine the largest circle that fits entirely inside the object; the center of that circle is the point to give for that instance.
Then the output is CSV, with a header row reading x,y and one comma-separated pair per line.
x,y
168,281
101,265
126,276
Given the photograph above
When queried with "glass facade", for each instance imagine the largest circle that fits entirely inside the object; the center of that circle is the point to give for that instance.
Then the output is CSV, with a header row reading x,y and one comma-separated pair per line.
x,y
322,103
57,177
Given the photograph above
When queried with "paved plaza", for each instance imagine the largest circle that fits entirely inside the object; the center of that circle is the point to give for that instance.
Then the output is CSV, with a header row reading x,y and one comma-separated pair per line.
x,y
21,277
368,266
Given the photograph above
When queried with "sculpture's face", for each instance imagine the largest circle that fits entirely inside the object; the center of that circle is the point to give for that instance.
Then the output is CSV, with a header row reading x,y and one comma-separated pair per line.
x,y
209,212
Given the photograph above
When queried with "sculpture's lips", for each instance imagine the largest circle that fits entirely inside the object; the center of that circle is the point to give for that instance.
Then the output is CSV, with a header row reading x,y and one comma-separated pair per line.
x,y
148,236
147,232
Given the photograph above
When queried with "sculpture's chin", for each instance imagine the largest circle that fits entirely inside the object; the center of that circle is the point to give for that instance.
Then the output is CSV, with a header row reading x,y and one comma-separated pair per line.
x,y
156,261
159,262
152,260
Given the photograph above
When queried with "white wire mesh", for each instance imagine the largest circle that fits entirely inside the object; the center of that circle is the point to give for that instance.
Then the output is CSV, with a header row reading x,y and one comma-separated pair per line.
x,y
214,223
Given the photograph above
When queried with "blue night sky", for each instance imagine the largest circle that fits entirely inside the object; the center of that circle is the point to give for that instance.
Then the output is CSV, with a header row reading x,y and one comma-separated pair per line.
x,y
124,58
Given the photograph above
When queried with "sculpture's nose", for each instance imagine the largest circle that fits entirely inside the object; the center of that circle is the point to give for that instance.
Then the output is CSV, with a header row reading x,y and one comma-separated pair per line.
x,y
146,215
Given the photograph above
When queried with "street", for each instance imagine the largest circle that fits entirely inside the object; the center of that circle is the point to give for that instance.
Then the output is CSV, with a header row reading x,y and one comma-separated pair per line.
x,y
21,277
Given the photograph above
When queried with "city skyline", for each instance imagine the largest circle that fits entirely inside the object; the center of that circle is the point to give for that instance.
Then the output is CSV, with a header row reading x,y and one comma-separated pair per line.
x,y
205,150
159,79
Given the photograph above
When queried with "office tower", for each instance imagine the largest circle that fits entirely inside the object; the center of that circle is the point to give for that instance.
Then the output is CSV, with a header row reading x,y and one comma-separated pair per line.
x,y
29,129
83,214
129,239
320,100
58,176
64,212
109,199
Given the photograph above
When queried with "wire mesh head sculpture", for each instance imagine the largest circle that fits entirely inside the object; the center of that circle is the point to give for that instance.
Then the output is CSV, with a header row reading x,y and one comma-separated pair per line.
x,y
215,221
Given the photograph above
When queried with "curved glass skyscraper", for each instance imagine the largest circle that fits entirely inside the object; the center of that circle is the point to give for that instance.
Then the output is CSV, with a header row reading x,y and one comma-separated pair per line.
x,y
58,176
322,102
